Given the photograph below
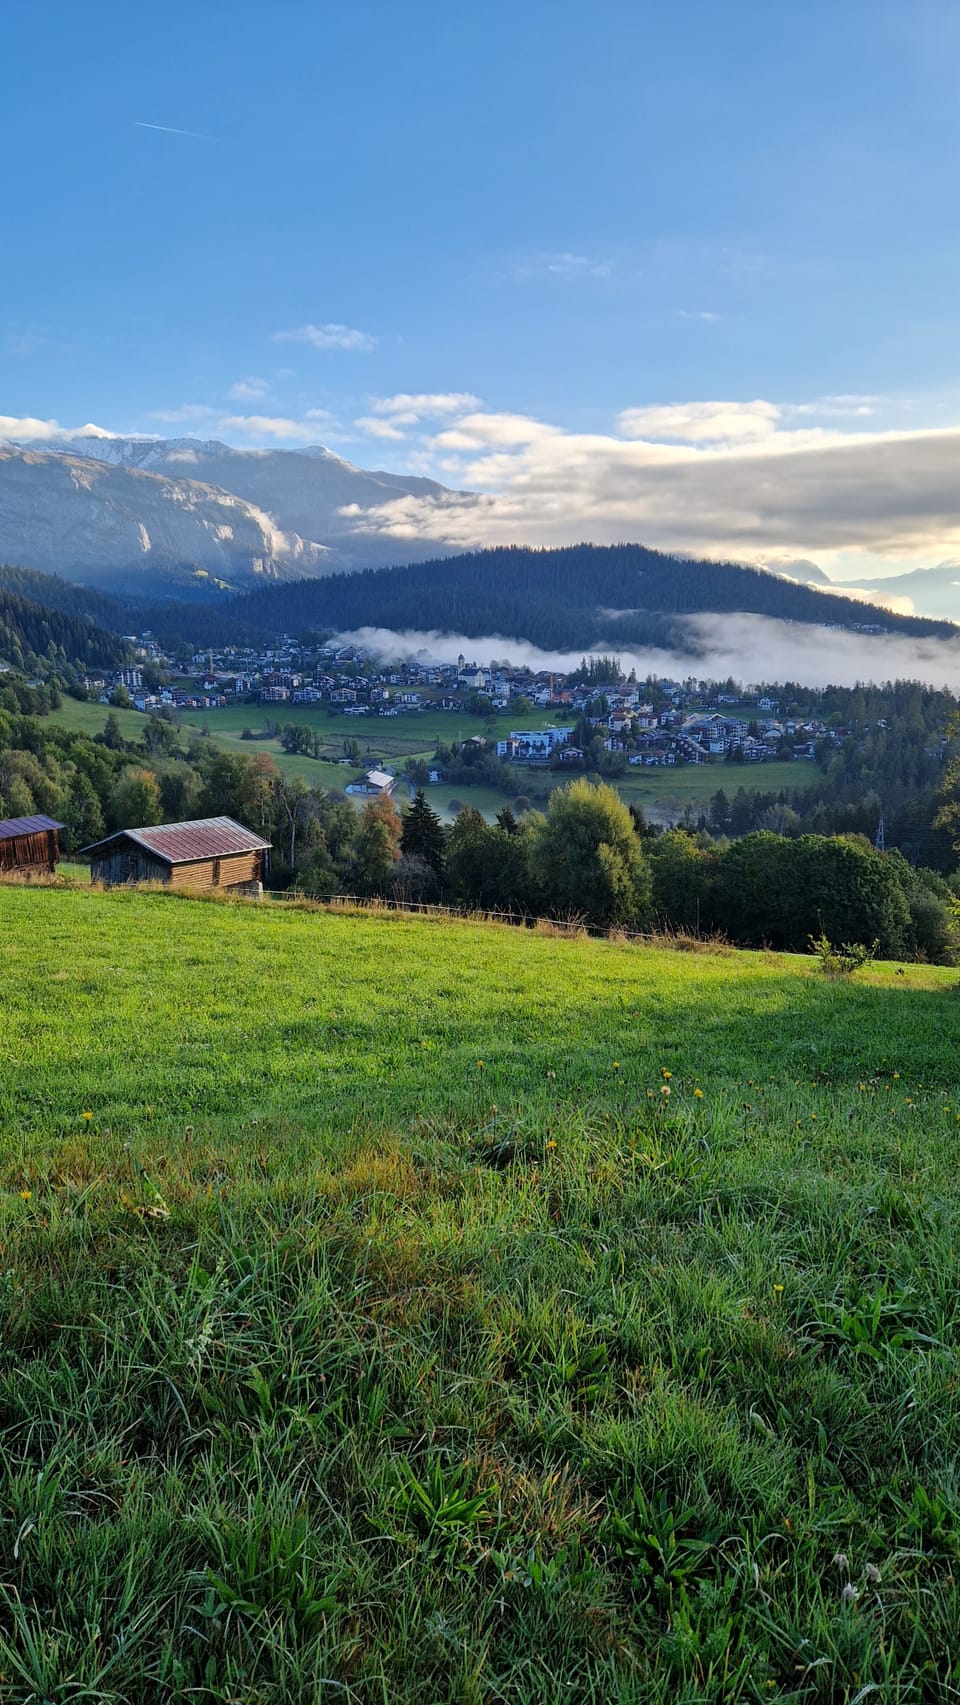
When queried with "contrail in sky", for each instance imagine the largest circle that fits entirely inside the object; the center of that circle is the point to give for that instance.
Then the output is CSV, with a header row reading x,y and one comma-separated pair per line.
x,y
171,130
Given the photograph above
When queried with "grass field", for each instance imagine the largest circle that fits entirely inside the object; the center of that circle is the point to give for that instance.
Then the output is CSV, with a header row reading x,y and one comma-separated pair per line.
x,y
409,1311
665,793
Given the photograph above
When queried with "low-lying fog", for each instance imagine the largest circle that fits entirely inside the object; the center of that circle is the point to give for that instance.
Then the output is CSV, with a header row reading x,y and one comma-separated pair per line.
x,y
751,649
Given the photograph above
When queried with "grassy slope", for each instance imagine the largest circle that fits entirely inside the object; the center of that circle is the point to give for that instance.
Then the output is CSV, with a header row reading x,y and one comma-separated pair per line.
x,y
665,792
335,1363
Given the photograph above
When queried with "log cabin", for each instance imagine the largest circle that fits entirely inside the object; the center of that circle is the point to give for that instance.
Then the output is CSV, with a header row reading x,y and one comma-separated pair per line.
x,y
29,846
212,852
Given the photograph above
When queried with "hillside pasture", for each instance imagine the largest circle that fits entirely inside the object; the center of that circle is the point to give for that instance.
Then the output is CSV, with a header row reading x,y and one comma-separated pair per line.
x,y
426,1311
666,793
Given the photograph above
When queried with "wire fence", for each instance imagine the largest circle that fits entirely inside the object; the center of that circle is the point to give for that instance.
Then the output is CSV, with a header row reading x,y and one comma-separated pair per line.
x,y
571,925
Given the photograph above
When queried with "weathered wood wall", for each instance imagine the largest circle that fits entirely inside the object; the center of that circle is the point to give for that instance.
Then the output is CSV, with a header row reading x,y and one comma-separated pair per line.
x,y
37,852
226,872
127,864
134,864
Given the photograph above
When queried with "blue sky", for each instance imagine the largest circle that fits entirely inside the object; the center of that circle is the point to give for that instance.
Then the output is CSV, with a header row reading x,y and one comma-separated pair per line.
x,y
583,217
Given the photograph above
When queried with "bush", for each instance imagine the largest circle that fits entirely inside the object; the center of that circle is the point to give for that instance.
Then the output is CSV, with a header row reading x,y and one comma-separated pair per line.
x,y
842,961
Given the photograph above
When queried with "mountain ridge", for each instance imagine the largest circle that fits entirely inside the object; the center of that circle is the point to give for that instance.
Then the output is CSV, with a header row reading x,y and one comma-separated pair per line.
x,y
216,520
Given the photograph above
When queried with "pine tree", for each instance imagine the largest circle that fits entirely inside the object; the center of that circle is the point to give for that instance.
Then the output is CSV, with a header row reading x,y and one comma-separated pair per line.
x,y
423,834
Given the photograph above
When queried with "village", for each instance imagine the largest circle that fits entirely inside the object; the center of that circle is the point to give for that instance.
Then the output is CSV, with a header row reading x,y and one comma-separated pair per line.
x,y
660,723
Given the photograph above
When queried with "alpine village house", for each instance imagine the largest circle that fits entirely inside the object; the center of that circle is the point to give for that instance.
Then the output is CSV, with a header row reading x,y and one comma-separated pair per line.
x,y
212,852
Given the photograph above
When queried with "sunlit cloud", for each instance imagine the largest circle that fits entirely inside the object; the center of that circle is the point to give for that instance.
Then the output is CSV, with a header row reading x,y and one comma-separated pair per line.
x,y
715,478
25,428
701,423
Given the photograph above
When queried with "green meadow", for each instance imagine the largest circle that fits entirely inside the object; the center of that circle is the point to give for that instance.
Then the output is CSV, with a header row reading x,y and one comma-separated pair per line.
x,y
405,1310
664,792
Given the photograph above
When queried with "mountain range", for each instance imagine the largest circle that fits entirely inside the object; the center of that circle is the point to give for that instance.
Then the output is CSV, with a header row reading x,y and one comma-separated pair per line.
x,y
932,592
200,521
190,518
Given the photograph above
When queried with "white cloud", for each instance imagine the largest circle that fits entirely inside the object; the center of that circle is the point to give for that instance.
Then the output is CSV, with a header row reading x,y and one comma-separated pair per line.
x,y
329,336
249,390
713,479
212,421
375,428
565,265
701,423
186,414
408,408
264,425
705,314
413,404
841,407
478,431
26,427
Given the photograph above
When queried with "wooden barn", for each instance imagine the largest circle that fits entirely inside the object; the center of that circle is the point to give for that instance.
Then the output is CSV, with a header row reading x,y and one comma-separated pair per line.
x,y
213,852
29,846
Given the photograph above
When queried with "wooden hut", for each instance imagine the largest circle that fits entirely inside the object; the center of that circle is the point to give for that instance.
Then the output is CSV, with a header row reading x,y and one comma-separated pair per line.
x,y
29,846
213,852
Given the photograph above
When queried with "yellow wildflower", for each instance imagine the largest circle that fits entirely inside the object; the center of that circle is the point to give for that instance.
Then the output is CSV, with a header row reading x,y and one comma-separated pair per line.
x,y
552,1143
25,1195
665,1074
480,1065
698,1094
616,1065
87,1117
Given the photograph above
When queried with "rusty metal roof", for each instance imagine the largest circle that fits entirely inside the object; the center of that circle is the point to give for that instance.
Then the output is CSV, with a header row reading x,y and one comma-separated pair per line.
x,y
11,827
187,843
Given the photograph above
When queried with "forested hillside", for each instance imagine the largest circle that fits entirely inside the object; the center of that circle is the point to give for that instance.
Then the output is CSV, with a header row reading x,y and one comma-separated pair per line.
x,y
582,596
172,621
577,598
29,630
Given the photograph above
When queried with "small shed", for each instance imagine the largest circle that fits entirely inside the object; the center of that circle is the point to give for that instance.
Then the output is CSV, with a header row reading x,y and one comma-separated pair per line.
x,y
212,852
29,846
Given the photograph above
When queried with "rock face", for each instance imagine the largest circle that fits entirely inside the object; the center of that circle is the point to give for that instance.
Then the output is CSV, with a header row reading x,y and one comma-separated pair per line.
x,y
310,494
128,529
191,518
